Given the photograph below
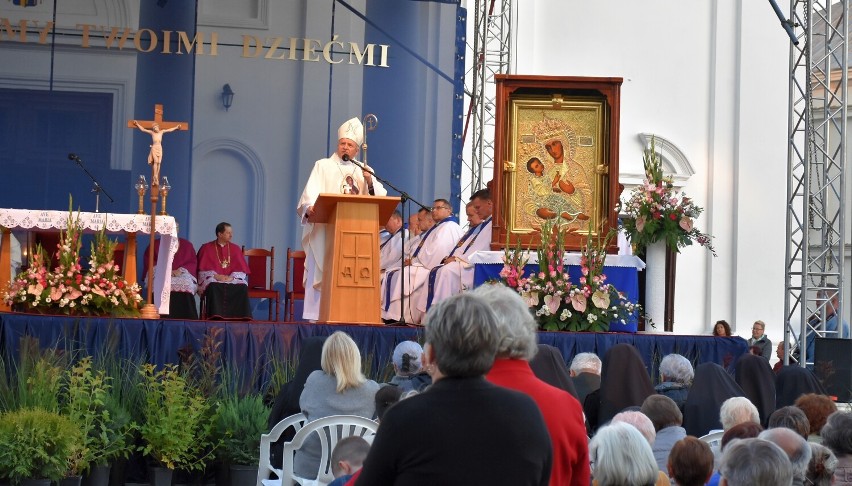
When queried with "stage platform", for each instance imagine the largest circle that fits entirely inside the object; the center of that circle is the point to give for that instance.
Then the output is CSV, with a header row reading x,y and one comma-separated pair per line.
x,y
256,348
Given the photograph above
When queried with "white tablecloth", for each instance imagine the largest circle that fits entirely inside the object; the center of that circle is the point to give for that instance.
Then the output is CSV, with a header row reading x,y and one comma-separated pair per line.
x,y
490,257
31,219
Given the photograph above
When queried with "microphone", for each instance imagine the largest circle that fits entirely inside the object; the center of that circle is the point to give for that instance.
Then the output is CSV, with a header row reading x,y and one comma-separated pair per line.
x,y
73,156
359,164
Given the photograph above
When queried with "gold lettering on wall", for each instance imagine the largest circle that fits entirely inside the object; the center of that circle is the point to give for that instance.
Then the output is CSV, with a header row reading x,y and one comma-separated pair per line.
x,y
145,40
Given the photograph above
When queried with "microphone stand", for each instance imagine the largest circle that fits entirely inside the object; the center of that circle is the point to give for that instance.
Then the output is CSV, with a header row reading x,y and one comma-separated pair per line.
x,y
97,189
370,122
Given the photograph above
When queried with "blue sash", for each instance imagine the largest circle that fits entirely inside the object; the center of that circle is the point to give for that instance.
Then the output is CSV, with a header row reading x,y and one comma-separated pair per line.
x,y
426,235
481,227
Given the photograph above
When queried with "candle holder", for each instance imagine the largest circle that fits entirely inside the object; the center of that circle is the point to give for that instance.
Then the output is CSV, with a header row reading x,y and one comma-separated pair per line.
x,y
165,187
141,186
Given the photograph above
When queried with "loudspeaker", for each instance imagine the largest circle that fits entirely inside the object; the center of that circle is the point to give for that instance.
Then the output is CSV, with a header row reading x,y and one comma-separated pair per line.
x,y
833,366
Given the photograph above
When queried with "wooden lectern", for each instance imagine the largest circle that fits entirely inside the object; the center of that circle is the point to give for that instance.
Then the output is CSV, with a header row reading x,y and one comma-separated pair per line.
x,y
350,279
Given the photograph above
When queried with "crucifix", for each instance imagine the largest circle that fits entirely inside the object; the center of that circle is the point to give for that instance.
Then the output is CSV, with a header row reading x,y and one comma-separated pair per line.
x,y
156,128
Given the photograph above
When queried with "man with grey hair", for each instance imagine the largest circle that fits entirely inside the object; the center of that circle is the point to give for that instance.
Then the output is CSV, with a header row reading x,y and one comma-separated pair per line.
x,y
639,420
562,413
463,430
585,371
796,448
676,374
755,462
737,410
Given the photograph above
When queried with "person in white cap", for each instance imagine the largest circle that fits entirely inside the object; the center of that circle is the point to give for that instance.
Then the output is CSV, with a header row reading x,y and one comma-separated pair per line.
x,y
336,174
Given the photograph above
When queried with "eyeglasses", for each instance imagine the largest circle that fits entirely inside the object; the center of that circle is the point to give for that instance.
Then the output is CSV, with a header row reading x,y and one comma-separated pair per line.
x,y
434,208
757,329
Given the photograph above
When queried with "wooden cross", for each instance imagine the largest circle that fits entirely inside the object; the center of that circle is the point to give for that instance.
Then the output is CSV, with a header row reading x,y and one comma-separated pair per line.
x,y
163,127
149,311
158,119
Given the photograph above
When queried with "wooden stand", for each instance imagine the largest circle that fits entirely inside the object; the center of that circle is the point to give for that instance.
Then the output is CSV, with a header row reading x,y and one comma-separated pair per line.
x,y
149,310
350,280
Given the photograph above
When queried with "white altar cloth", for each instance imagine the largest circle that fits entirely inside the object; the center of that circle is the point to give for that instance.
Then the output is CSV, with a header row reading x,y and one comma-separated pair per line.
x,y
34,219
491,257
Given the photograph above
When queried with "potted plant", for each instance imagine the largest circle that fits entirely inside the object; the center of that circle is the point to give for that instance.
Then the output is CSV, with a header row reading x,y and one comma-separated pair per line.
x,y
240,423
35,446
176,431
104,432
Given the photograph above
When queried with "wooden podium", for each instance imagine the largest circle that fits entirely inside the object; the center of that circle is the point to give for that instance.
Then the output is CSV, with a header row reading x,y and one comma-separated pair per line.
x,y
350,279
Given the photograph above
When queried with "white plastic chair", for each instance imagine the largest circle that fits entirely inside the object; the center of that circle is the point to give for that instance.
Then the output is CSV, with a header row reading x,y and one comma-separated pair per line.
x,y
264,467
713,439
330,430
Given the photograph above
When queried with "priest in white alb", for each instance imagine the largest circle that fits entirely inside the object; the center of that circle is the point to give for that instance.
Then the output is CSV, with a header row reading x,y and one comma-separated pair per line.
x,y
434,245
337,174
455,274
390,250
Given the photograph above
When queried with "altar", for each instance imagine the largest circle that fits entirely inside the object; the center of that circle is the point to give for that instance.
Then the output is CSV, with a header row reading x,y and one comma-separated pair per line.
x,y
620,270
130,224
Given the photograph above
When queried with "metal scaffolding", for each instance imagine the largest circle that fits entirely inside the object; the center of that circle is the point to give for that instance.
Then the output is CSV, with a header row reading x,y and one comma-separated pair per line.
x,y
489,55
816,161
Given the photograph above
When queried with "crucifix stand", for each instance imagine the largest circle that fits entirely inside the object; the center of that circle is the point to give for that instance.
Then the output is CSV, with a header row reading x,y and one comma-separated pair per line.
x,y
149,310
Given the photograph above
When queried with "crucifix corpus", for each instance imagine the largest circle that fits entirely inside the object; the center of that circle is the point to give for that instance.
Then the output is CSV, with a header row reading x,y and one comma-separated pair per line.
x,y
156,128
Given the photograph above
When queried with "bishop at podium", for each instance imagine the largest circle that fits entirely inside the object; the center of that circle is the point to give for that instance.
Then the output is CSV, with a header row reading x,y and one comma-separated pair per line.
x,y
337,174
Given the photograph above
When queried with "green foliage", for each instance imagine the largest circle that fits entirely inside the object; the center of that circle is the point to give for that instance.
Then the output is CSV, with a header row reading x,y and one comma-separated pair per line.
x,y
88,404
202,368
34,380
239,423
281,370
36,444
177,424
126,395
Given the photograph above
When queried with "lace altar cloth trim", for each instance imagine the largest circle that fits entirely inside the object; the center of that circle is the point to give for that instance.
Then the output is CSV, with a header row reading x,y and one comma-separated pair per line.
x,y
35,219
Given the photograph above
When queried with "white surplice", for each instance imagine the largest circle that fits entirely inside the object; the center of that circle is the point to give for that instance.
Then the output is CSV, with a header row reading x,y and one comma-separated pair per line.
x,y
328,176
438,243
390,251
451,278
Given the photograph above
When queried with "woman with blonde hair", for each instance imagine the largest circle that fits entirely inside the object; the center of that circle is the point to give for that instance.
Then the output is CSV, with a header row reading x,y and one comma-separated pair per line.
x,y
339,388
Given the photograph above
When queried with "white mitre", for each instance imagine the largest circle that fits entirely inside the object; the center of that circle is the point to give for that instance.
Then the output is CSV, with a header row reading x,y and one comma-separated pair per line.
x,y
353,130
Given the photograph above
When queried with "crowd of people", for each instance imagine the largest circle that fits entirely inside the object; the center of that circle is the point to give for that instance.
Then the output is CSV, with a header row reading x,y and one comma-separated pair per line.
x,y
482,403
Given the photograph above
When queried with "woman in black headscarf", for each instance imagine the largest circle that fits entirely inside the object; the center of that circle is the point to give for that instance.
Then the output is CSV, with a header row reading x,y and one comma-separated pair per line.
x,y
624,383
549,366
793,382
755,377
710,388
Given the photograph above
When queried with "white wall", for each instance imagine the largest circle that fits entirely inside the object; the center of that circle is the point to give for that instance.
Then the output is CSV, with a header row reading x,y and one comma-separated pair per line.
x,y
712,78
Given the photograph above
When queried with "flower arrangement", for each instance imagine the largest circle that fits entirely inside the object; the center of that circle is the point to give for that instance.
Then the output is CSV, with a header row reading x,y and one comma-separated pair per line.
x,y
656,212
559,304
69,290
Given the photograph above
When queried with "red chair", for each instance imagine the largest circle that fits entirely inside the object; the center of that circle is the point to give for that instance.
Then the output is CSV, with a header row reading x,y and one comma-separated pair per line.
x,y
259,287
294,289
